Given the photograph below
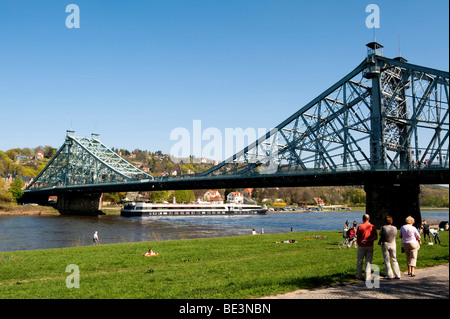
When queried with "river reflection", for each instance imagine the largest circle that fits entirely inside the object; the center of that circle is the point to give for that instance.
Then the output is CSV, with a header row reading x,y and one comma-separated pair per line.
x,y
41,232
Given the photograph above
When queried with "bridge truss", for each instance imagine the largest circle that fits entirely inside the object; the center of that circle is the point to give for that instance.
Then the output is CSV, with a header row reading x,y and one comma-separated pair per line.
x,y
386,114
85,160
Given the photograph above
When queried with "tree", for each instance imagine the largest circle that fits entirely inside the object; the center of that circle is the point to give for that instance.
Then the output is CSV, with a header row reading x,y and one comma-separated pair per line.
x,y
184,196
140,155
16,188
5,195
12,153
49,152
159,196
124,152
354,196
434,196
115,197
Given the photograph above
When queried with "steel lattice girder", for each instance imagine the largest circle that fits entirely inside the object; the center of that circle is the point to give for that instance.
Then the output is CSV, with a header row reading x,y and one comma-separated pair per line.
x,y
83,160
346,129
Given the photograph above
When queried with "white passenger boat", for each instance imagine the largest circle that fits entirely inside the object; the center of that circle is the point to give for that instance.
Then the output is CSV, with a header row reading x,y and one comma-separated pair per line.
x,y
149,209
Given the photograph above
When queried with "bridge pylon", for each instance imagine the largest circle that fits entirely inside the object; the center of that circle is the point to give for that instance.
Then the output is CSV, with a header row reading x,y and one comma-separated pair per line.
x,y
386,116
81,161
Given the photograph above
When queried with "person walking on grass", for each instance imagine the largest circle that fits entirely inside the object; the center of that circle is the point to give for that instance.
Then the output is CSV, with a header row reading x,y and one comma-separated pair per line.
x,y
411,243
426,231
366,234
388,234
95,238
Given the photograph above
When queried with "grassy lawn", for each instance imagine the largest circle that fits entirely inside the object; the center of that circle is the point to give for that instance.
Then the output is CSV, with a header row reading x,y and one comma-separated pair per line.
x,y
232,267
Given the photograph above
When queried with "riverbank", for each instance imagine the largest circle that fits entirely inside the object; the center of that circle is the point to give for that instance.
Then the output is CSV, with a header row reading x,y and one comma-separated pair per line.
x,y
213,268
27,210
37,210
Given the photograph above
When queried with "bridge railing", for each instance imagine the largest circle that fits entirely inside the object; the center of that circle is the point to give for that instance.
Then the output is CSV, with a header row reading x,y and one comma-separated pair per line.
x,y
323,171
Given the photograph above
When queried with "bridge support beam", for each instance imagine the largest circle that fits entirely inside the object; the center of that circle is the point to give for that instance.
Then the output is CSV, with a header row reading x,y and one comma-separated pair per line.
x,y
79,204
396,200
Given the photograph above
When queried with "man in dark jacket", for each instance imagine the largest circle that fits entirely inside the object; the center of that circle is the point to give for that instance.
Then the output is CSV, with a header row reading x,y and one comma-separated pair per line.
x,y
426,231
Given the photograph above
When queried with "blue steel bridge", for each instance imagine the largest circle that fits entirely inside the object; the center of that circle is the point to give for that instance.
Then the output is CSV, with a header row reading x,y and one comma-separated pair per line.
x,y
384,125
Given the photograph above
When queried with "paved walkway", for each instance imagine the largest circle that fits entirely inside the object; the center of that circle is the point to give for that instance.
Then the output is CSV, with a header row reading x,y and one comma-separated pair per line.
x,y
429,283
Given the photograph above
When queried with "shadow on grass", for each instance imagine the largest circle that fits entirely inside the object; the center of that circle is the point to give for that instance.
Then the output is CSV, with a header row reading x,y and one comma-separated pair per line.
x,y
320,281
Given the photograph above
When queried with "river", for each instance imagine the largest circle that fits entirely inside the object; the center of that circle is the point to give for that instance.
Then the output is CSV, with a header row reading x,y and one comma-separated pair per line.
x,y
42,232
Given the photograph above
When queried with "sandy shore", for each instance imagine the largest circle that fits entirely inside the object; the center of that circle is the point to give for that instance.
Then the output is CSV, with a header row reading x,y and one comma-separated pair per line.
x,y
18,210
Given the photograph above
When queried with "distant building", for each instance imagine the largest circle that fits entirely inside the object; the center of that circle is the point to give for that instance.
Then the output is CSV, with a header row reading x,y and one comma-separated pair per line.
x,y
176,170
10,178
216,200
212,194
173,172
318,201
20,158
247,193
39,155
235,197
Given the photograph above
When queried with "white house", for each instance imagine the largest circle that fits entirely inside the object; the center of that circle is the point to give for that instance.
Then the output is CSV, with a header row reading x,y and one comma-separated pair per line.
x,y
39,155
210,193
235,197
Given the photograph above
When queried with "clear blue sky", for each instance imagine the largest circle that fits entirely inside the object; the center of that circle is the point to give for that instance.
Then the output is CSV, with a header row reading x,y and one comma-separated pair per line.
x,y
137,69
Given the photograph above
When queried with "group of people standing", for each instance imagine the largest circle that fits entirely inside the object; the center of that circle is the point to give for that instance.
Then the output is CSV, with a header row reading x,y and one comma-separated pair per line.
x,y
366,235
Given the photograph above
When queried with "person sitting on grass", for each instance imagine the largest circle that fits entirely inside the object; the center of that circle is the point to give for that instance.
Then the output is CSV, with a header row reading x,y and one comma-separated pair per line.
x,y
351,233
290,241
150,253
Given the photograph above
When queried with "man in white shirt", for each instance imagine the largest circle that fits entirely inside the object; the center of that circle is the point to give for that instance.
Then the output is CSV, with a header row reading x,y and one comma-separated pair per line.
x,y
95,238
435,234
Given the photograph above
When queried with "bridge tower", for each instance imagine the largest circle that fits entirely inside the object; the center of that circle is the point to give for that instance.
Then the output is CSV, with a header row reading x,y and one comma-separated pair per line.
x,y
384,198
81,162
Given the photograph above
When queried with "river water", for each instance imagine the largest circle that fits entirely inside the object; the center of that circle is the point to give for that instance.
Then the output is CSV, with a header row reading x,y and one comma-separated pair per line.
x,y
42,232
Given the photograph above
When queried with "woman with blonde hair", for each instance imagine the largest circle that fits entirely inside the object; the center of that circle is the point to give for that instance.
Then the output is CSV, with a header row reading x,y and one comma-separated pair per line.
x,y
411,243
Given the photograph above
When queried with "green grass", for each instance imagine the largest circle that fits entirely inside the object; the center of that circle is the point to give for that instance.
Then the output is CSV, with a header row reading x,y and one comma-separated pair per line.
x,y
232,267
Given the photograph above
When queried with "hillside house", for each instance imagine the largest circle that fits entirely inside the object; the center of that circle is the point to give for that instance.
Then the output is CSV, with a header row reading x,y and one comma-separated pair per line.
x,y
216,199
235,198
39,155
318,201
10,178
212,194
247,193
